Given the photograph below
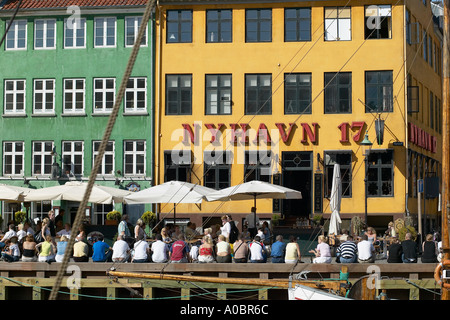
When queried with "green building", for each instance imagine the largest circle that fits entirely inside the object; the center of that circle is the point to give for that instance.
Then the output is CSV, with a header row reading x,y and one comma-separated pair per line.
x,y
61,65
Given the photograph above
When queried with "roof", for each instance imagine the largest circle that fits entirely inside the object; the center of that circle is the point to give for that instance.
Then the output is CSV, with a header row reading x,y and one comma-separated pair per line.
x,y
60,4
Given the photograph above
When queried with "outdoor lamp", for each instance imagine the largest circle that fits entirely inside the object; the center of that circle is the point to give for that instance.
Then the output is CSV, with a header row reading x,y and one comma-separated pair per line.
x,y
366,145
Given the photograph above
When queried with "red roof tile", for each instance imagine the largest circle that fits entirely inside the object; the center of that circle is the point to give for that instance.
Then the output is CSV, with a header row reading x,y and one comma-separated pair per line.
x,y
55,4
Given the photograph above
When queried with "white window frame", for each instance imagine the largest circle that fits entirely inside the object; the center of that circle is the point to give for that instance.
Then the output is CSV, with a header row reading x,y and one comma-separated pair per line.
x,y
14,92
14,32
72,155
46,23
42,155
14,154
95,146
44,92
104,21
77,24
134,153
335,28
74,91
40,209
103,108
136,24
99,213
134,91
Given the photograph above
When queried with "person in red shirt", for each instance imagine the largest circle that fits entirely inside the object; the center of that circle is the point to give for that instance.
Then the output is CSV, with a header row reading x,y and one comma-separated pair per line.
x,y
179,252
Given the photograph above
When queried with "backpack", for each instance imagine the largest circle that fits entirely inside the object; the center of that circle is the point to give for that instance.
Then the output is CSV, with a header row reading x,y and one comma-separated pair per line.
x,y
234,232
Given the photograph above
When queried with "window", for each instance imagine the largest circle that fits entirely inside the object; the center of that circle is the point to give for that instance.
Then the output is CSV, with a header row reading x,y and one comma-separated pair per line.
x,y
107,165
134,157
380,174
45,34
15,96
431,110
338,24
430,51
425,46
178,94
72,157
74,33
44,96
408,27
40,209
136,95
378,22
104,94
217,169
297,93
73,95
179,26
42,157
16,38
379,96
132,25
338,92
13,158
257,165
219,25
344,160
177,165
218,94
258,94
258,25
105,32
297,24
99,213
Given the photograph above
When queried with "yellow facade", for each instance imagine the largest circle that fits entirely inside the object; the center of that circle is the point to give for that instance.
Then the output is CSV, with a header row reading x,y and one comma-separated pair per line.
x,y
279,58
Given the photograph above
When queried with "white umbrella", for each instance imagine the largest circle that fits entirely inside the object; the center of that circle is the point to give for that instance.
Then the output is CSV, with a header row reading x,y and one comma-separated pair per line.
x,y
254,190
12,193
335,201
170,192
75,190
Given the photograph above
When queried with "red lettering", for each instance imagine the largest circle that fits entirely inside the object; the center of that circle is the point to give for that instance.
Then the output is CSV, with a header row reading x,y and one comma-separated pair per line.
x,y
262,129
307,132
188,130
360,125
285,136
244,137
233,132
213,130
344,131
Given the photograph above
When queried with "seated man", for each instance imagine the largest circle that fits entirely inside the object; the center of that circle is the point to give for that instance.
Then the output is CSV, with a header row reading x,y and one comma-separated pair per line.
x,y
347,251
101,251
120,250
160,250
410,250
366,250
80,251
179,252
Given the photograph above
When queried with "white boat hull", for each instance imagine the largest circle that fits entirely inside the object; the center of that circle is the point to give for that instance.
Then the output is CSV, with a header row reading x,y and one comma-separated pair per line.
x,y
300,292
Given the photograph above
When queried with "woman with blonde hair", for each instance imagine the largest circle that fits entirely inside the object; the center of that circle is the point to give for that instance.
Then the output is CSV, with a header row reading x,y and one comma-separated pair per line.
x,y
223,250
139,229
322,251
47,252
206,250
61,248
29,249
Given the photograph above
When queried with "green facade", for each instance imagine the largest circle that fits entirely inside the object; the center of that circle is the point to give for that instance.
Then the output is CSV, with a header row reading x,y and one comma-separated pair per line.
x,y
81,63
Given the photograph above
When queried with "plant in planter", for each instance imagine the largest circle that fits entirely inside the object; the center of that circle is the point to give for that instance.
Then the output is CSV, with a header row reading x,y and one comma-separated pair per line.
x,y
20,216
316,219
113,217
407,229
275,219
148,217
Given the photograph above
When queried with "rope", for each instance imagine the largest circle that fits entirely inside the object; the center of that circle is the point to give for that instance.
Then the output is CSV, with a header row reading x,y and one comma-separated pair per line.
x,y
107,134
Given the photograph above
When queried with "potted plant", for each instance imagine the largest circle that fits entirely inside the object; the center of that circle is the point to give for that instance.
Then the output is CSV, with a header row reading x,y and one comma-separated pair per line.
x,y
275,219
20,216
148,217
113,218
317,219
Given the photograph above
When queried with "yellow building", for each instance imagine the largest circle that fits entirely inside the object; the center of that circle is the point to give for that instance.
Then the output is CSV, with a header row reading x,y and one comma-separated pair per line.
x,y
279,91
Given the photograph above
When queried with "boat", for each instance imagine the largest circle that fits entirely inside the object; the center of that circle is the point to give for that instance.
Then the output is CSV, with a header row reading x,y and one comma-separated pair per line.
x,y
301,292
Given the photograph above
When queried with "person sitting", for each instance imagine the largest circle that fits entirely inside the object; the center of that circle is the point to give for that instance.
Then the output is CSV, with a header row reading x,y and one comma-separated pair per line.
x,y
429,250
206,250
141,250
47,250
344,236
240,248
20,233
29,249
390,232
410,252
13,252
322,251
80,251
395,252
160,250
366,250
278,250
8,235
292,254
190,232
66,231
223,250
61,249
28,229
371,235
120,250
165,236
267,234
257,251
347,251
179,252
102,252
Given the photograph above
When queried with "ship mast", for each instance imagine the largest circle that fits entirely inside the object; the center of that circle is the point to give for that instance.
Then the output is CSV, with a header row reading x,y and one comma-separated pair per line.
x,y
445,143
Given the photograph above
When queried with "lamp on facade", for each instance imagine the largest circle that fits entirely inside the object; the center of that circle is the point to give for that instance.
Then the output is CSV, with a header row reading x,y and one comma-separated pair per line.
x,y
366,145
56,170
379,130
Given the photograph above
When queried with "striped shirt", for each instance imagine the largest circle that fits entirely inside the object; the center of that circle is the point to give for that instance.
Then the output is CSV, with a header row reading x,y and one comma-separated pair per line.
x,y
347,249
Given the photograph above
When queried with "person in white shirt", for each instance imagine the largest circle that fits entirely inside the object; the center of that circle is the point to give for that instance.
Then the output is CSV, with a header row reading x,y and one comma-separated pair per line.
x,y
257,251
13,254
226,228
141,250
160,250
252,221
65,232
8,235
27,227
20,233
366,251
120,250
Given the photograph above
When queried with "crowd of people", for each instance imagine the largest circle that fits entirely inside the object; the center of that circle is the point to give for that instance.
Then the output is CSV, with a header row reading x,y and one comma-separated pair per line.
x,y
47,242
